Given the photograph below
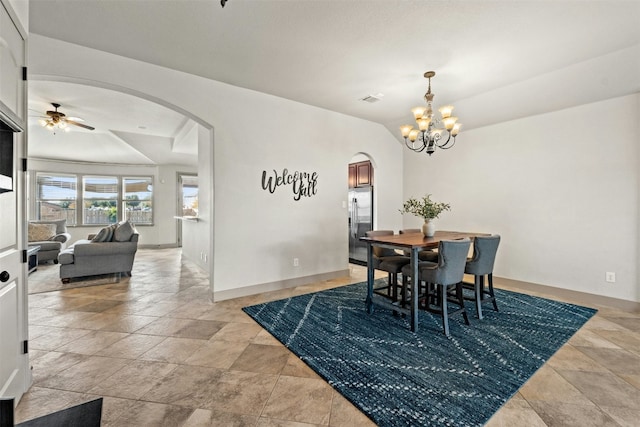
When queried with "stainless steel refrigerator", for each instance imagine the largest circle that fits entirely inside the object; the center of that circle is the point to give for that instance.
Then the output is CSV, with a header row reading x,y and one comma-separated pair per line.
x,y
360,221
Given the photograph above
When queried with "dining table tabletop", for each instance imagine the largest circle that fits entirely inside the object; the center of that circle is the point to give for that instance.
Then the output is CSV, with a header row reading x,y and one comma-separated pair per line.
x,y
413,242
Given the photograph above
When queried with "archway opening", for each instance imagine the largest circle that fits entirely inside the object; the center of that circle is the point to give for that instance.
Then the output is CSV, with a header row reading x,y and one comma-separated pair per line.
x,y
361,205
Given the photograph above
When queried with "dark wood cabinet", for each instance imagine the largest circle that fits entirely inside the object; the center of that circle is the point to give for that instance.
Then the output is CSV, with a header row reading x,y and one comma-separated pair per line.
x,y
352,175
360,174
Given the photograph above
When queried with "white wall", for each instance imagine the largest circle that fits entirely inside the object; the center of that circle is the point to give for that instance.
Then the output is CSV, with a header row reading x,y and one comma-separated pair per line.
x,y
21,9
197,244
256,234
561,188
163,231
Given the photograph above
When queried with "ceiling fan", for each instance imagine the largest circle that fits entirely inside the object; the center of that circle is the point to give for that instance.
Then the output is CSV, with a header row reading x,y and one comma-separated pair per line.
x,y
57,120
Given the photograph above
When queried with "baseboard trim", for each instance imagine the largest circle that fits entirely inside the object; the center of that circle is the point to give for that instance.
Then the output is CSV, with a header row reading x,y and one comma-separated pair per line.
x,y
277,285
577,296
160,246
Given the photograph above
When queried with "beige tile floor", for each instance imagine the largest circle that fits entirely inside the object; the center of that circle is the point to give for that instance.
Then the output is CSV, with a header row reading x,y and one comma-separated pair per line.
x,y
162,355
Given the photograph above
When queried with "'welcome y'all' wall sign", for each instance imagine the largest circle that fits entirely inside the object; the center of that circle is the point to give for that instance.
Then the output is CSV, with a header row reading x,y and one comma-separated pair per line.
x,y
302,183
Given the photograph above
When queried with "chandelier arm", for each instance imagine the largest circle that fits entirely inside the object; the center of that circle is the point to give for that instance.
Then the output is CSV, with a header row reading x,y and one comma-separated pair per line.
x,y
416,149
423,140
444,144
446,147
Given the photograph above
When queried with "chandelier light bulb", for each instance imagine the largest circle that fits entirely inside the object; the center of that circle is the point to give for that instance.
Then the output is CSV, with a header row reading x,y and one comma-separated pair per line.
x,y
456,129
446,111
418,112
423,124
405,129
449,122
413,135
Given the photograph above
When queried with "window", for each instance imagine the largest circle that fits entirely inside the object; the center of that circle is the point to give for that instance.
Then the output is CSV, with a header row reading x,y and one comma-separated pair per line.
x,y
56,197
189,184
100,196
104,199
138,203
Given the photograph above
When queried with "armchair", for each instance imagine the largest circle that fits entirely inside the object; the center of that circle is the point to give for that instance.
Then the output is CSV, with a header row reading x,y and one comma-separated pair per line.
x,y
51,236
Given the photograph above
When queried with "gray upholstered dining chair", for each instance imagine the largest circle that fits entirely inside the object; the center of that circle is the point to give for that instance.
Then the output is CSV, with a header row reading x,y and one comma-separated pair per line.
x,y
390,261
438,277
480,265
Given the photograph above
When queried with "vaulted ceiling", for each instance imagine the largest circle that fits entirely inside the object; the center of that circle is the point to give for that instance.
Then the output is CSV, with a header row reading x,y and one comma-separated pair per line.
x,y
331,53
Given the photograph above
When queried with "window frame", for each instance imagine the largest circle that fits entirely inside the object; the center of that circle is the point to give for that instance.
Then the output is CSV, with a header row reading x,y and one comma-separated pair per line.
x,y
124,200
80,198
110,201
39,200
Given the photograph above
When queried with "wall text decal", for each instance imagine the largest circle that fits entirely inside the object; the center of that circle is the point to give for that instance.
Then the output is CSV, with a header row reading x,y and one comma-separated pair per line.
x,y
303,183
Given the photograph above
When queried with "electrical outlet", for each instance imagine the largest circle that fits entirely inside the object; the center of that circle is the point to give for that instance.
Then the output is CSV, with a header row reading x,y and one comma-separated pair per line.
x,y
296,262
610,277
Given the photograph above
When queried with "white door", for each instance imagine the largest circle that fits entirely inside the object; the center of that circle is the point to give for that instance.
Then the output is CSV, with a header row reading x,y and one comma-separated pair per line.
x,y
15,375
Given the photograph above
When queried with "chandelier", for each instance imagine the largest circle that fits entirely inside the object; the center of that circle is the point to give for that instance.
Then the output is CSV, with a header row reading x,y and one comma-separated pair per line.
x,y
428,136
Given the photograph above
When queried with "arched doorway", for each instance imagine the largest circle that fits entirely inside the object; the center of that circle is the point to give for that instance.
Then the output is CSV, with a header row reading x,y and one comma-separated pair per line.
x,y
360,205
176,140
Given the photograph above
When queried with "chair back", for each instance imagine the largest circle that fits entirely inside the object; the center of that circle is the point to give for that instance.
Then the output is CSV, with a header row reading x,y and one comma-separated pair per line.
x,y
451,262
484,255
378,251
410,230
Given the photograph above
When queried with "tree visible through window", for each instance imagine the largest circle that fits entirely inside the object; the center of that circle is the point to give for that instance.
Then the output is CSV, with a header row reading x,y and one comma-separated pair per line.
x,y
100,195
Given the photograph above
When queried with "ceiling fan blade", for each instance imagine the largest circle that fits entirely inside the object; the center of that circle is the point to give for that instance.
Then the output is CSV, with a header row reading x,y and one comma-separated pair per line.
x,y
71,122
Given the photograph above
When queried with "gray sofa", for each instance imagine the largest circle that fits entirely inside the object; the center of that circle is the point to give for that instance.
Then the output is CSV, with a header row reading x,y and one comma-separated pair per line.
x,y
52,246
101,253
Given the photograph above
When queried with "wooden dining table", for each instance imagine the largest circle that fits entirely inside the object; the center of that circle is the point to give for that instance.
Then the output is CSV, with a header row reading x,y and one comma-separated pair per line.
x,y
413,242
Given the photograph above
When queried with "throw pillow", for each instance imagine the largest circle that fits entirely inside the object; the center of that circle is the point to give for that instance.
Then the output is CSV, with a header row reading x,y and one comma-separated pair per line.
x,y
123,232
105,234
61,225
40,232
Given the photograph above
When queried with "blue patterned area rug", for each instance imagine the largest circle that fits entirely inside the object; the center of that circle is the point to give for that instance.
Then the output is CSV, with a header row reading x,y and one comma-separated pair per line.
x,y
401,378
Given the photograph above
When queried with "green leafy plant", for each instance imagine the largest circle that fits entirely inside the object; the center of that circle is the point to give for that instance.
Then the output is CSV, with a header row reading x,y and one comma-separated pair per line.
x,y
424,208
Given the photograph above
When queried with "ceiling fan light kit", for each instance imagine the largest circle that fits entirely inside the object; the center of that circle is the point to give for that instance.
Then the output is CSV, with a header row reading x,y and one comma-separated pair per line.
x,y
57,120
427,135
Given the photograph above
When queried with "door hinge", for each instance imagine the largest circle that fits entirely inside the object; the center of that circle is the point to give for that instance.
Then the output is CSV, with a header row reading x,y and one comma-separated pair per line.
x,y
24,164
25,346
25,258
24,73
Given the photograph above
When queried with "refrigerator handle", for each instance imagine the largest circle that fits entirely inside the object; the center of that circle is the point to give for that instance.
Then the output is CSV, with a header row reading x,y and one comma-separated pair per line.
x,y
354,218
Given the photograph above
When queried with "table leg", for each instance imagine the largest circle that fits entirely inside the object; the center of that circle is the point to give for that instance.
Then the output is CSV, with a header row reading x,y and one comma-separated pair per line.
x,y
369,301
414,289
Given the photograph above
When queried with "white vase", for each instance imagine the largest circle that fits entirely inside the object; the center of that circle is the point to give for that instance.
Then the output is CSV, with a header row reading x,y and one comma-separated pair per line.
x,y
428,228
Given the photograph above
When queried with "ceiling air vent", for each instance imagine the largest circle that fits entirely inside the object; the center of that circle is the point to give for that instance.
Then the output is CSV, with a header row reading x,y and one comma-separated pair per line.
x,y
372,98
